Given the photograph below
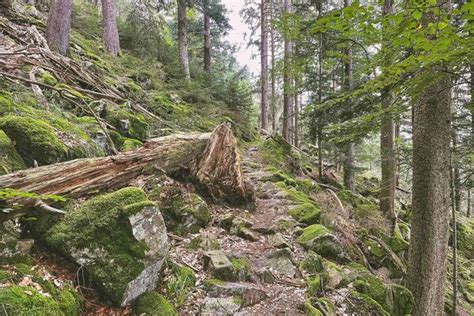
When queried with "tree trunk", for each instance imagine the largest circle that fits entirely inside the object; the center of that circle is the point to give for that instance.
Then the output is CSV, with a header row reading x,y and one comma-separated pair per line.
x,y
109,23
349,151
287,98
297,113
388,157
6,5
183,39
468,211
212,160
58,25
273,73
431,195
264,65
207,38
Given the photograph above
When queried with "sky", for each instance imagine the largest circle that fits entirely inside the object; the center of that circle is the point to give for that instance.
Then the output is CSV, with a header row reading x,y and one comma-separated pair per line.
x,y
237,36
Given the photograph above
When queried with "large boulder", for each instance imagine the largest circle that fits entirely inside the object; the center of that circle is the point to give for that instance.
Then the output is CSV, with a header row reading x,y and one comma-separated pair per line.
x,y
119,238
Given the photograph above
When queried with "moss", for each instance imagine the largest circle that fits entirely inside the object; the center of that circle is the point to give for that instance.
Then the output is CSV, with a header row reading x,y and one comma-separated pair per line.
x,y
312,263
47,78
71,91
130,143
315,284
307,213
138,126
213,281
34,139
363,304
396,242
153,303
374,248
5,276
313,232
10,160
372,286
179,284
325,306
101,224
320,239
466,238
311,310
242,268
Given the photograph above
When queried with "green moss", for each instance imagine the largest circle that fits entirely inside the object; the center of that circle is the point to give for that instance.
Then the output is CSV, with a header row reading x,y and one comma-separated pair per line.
x,y
179,284
242,268
10,160
130,143
153,303
315,285
34,139
71,91
307,213
374,248
211,282
311,310
138,125
320,239
363,304
5,276
325,306
47,78
312,263
372,286
100,223
313,232
466,238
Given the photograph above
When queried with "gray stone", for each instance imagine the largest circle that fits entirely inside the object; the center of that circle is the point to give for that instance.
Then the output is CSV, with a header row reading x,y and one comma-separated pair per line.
x,y
11,247
217,263
216,306
281,263
265,275
249,293
278,241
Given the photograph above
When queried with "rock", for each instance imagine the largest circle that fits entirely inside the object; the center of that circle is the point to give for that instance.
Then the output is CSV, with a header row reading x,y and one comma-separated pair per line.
x,y
214,306
362,304
12,248
265,275
324,306
183,212
280,262
249,293
320,239
153,303
242,270
312,263
218,265
278,241
266,230
238,226
120,238
307,213
247,234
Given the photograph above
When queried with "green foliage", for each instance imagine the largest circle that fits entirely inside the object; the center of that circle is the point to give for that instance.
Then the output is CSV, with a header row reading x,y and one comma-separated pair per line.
x,y
182,280
153,304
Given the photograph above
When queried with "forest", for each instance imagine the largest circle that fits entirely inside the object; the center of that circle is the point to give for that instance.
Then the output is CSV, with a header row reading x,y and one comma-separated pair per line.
x,y
221,157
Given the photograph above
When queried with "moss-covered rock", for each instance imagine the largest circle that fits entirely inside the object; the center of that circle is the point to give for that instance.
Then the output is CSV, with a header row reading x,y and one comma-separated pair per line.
x,y
129,124
363,304
34,139
320,239
311,310
130,144
242,269
183,212
312,263
153,303
324,305
179,283
10,160
307,213
120,238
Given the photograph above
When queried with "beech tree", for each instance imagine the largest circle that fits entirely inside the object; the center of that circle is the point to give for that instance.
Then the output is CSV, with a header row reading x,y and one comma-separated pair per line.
x,y
183,39
58,25
111,35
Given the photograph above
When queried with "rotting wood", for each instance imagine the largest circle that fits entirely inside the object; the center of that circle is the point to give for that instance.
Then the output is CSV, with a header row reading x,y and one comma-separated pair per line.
x,y
172,154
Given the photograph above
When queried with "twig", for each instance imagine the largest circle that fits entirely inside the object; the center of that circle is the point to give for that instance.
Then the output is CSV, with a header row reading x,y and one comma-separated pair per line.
x,y
334,195
45,207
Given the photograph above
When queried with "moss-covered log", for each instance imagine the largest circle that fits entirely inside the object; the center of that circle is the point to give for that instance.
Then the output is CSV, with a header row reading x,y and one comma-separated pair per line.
x,y
82,177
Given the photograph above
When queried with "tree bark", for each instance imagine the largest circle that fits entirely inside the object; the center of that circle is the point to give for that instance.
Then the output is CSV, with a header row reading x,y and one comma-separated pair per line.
x,y
264,65
287,96
58,25
183,39
212,160
297,113
349,150
273,73
109,23
207,37
431,194
388,157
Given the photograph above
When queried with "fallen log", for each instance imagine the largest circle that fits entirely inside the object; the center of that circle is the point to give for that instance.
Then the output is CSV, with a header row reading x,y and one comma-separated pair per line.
x,y
171,154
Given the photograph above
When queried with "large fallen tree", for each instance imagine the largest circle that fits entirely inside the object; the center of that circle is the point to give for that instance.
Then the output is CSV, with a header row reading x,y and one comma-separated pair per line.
x,y
210,159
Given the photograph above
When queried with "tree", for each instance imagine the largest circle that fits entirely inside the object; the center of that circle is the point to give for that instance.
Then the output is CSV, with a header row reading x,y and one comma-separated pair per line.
x,y
349,148
431,188
264,65
58,25
287,96
207,36
388,158
109,21
183,39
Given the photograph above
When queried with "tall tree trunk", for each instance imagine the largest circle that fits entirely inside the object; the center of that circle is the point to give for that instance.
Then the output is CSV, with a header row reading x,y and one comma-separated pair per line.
x,y
183,39
58,25
6,5
109,22
388,157
264,65
287,98
273,73
468,211
431,199
349,150
320,98
297,105
207,38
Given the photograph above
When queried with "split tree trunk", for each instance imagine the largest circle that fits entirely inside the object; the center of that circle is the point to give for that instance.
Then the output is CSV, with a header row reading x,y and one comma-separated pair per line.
x,y
58,26
264,66
214,161
388,157
109,22
431,192
207,38
183,39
